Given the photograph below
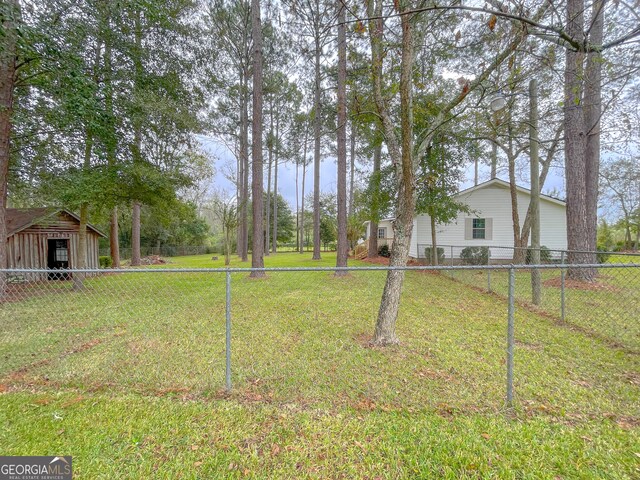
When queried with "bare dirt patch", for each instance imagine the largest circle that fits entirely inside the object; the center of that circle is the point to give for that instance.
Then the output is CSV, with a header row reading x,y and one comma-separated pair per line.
x,y
633,378
363,339
433,374
366,341
153,260
529,346
385,261
377,260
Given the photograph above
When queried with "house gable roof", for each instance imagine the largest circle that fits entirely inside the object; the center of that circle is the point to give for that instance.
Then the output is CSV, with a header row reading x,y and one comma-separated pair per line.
x,y
19,219
496,182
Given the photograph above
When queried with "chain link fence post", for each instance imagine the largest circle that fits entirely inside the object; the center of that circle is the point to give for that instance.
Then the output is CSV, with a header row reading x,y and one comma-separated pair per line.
x,y
562,299
228,330
510,336
488,270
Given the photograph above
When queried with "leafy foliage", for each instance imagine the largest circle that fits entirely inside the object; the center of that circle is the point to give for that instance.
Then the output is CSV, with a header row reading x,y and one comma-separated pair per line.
x,y
105,261
545,255
475,255
428,254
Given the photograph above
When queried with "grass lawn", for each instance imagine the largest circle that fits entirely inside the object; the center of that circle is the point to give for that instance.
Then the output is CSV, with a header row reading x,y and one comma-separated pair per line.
x,y
128,377
609,310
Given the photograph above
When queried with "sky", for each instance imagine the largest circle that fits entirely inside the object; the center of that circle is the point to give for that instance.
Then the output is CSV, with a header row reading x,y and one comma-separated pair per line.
x,y
286,174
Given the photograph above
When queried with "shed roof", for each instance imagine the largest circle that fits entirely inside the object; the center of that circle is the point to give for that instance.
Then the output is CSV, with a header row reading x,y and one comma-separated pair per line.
x,y
20,218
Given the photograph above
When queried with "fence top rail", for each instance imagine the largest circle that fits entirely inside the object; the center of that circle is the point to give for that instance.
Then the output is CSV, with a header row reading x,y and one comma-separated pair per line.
x,y
542,248
325,269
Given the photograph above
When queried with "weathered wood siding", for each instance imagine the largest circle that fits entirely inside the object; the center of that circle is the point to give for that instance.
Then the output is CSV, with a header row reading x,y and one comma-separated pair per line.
x,y
28,248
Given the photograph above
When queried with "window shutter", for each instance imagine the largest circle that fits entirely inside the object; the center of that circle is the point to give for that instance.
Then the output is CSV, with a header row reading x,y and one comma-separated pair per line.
x,y
488,226
468,228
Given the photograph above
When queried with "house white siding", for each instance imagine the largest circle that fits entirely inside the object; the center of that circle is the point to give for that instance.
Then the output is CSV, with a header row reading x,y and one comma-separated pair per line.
x,y
386,224
493,203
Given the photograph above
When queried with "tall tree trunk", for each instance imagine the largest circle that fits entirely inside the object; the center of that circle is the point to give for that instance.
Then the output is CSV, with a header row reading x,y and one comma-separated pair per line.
x,y
494,160
257,254
275,191
546,165
316,150
10,21
434,244
352,170
238,182
245,195
375,203
592,113
519,250
402,153
402,156
78,278
270,163
135,234
578,230
136,149
475,172
304,175
534,203
297,209
243,224
111,129
114,244
343,244
304,171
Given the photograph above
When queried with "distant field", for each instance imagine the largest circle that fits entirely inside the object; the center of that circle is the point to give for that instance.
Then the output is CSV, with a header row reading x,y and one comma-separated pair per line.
x,y
128,376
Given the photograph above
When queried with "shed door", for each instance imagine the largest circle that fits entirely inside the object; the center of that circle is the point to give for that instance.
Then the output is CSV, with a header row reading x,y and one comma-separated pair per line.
x,y
58,257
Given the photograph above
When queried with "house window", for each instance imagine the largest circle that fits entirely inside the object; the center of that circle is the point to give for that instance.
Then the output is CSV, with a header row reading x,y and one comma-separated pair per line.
x,y
382,232
479,228
61,252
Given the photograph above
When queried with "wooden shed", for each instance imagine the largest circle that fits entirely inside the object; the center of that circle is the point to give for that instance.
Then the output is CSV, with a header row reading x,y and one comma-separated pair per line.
x,y
47,238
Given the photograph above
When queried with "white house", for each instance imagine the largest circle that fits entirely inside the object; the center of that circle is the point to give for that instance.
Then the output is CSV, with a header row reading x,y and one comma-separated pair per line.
x,y
488,224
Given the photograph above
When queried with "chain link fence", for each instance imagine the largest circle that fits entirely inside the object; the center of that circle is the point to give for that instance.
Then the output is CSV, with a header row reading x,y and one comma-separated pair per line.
x,y
471,336
496,255
164,251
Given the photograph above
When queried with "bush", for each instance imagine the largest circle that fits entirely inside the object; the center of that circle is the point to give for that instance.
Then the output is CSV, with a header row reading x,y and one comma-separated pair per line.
x,y
105,262
384,251
428,255
545,255
475,255
602,256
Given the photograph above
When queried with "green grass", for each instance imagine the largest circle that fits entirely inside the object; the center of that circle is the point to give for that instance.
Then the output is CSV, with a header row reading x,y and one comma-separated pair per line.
x,y
128,377
288,259
608,309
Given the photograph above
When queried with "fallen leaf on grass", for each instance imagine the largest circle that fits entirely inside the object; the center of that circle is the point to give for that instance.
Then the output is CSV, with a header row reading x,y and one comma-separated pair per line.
x,y
486,436
72,401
